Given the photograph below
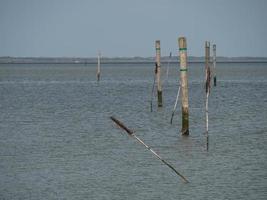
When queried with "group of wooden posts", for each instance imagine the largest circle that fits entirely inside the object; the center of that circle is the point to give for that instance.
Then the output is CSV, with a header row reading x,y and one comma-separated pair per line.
x,y
184,91
184,81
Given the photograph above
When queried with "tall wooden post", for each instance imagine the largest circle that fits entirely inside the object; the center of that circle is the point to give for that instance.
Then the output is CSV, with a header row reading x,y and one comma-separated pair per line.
x,y
184,85
98,66
214,65
157,71
208,77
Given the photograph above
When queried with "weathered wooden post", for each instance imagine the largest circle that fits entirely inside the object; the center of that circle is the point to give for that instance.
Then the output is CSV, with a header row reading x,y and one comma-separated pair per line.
x,y
157,71
208,77
207,57
214,65
98,66
184,85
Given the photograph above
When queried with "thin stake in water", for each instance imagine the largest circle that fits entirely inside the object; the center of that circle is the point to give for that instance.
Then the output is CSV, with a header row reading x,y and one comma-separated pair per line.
x,y
214,65
98,67
131,133
176,101
207,106
208,77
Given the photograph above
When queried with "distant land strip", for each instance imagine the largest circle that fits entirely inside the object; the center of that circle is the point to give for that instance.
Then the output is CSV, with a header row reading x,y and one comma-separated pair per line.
x,y
122,60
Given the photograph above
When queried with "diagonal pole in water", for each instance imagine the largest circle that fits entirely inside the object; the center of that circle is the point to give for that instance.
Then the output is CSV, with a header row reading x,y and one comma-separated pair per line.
x,y
131,133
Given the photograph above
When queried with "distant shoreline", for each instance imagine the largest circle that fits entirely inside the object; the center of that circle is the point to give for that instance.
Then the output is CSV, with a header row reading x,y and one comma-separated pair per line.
x,y
123,60
120,63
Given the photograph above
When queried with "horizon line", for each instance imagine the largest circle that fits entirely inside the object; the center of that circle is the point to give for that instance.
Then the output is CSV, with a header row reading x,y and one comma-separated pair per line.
x,y
122,57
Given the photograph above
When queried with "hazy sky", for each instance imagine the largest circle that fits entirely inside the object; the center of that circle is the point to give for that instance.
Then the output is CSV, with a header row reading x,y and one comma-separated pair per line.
x,y
129,27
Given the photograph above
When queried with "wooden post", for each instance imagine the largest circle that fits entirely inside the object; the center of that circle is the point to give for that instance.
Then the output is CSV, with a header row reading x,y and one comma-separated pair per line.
x,y
207,57
157,71
214,65
98,66
208,77
184,85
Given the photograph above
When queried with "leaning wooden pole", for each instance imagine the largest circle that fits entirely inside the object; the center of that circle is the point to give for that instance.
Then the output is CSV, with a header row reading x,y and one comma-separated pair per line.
x,y
157,71
208,77
98,66
131,133
184,85
214,65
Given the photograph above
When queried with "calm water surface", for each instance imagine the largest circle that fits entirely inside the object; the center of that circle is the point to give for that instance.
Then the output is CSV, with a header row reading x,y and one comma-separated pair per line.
x,y
57,141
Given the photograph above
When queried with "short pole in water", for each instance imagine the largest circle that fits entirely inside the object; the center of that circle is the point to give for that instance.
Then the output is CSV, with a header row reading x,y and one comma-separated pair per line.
x,y
157,71
214,65
98,66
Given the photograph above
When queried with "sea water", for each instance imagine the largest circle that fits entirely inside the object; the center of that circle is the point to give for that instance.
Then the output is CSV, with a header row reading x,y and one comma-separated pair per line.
x,y
58,142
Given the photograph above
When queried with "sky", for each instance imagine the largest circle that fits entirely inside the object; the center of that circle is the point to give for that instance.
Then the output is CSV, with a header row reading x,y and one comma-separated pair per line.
x,y
126,28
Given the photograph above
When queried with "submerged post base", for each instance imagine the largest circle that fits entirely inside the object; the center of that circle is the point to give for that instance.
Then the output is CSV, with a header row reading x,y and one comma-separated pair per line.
x,y
185,121
185,132
160,99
